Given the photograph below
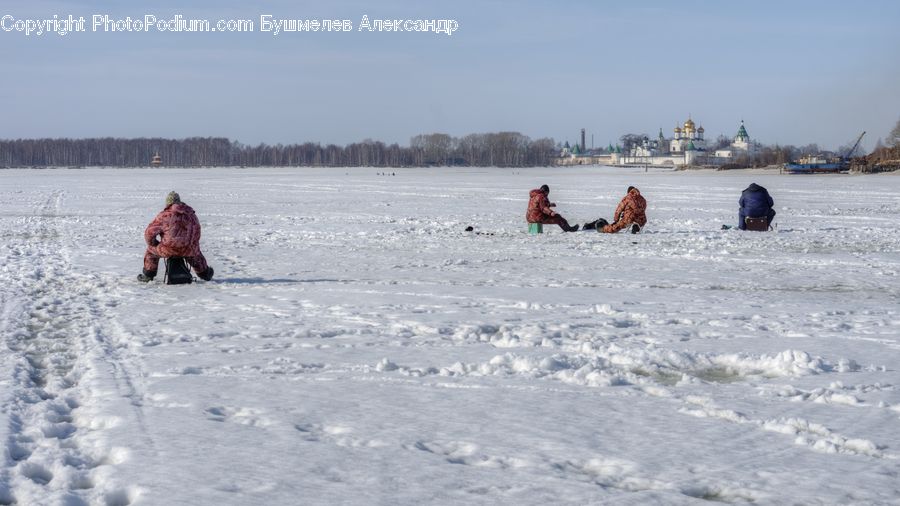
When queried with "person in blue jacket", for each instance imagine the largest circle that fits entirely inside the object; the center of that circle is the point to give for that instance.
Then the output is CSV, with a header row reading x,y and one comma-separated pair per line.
x,y
755,203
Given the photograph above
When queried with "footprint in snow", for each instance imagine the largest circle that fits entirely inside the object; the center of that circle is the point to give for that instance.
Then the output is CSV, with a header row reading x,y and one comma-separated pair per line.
x,y
37,473
339,435
468,454
243,416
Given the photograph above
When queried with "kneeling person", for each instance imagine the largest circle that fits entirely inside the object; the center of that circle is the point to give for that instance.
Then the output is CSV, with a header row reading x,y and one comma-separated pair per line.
x,y
632,210
175,232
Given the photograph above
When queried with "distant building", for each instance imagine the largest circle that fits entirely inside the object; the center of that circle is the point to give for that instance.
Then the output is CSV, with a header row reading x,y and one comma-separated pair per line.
x,y
741,145
570,154
156,161
687,139
687,147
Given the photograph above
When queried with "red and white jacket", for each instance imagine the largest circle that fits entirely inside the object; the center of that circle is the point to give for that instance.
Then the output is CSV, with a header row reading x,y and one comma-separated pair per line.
x,y
178,232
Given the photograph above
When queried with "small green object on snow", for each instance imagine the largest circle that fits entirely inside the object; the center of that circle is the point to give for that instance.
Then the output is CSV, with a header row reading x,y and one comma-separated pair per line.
x,y
535,228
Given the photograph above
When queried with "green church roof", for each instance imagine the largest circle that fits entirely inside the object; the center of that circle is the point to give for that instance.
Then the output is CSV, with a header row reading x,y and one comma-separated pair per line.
x,y
742,132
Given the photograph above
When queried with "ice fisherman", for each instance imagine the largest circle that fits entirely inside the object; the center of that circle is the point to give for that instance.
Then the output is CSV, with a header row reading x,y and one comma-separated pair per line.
x,y
631,212
755,203
539,210
175,232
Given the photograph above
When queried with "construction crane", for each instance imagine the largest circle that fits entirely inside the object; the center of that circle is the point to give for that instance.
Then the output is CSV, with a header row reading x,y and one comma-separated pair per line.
x,y
856,145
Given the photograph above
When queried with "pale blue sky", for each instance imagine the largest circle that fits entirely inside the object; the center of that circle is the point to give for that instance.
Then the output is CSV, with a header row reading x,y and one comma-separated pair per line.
x,y
797,72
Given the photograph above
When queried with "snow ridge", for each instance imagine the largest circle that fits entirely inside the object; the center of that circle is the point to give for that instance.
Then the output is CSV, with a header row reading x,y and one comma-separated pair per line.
x,y
50,455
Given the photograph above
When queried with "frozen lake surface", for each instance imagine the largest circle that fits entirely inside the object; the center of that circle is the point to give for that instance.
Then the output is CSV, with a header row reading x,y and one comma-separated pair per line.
x,y
357,346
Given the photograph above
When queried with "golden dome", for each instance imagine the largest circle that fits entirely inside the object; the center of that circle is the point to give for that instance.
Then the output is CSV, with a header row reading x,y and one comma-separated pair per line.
x,y
677,129
689,124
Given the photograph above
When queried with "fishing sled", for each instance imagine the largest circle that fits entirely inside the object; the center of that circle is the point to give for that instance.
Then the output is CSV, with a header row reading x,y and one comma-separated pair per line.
x,y
178,272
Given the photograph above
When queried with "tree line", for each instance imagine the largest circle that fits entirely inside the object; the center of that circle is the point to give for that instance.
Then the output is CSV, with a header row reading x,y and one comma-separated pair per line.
x,y
885,156
502,149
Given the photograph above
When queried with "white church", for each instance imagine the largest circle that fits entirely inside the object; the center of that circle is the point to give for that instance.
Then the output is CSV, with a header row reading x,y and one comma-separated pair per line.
x,y
741,145
687,147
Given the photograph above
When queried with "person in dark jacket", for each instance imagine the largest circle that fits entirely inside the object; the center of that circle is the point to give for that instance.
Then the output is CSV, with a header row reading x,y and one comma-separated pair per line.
x,y
175,232
755,203
539,210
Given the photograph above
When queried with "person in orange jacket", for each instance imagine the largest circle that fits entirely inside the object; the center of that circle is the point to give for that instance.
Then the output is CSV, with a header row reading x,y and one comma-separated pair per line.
x,y
539,210
175,232
630,211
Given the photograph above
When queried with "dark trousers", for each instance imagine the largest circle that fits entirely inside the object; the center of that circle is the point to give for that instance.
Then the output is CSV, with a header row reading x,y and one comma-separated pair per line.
x,y
152,256
556,220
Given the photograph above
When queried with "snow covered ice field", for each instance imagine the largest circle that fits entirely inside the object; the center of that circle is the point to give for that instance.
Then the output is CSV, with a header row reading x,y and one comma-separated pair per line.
x,y
356,346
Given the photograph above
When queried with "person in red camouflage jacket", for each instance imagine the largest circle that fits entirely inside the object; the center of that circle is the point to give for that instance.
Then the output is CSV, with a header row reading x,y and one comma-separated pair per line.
x,y
539,210
631,210
175,232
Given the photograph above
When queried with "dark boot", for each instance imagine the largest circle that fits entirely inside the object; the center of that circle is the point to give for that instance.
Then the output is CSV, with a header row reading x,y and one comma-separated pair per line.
x,y
573,229
207,274
635,228
146,276
591,225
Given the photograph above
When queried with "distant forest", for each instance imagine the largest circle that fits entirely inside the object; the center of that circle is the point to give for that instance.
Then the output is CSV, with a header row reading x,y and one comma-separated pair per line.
x,y
503,149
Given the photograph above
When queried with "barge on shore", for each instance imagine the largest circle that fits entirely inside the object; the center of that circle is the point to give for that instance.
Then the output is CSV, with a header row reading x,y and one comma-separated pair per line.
x,y
816,165
812,164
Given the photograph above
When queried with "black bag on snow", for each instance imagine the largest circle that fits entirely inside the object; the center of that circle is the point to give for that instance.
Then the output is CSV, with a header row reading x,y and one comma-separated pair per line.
x,y
178,272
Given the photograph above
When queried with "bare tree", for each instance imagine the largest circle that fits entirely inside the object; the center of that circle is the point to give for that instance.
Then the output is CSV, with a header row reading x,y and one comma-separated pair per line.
x,y
810,149
893,139
722,142
631,140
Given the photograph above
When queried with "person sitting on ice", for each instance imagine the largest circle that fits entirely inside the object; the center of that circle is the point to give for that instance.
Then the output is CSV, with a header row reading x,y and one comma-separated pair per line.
x,y
755,203
175,232
539,210
631,212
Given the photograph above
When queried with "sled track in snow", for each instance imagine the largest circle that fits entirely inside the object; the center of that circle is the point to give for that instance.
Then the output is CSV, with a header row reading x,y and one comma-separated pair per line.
x,y
49,322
